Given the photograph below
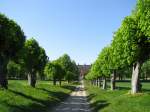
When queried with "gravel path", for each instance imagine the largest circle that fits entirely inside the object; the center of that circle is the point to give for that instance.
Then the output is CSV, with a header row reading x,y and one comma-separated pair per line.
x,y
77,102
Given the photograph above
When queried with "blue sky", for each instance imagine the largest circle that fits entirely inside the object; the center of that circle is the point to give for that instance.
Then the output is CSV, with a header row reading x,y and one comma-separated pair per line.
x,y
80,28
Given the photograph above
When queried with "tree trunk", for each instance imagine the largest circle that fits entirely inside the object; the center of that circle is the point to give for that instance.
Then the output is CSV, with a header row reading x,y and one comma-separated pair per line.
x,y
97,80
104,83
32,79
113,78
91,82
54,81
100,82
135,82
3,73
145,76
68,81
60,82
119,77
94,82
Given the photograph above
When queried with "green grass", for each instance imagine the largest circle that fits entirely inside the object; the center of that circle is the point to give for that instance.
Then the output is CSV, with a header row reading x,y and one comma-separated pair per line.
x,y
22,98
119,100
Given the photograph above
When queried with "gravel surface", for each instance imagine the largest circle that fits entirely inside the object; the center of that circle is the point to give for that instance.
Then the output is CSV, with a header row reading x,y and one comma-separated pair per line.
x,y
76,102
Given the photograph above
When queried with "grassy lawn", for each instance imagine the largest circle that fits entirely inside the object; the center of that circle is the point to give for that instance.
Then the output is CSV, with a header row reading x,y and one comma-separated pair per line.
x,y
119,100
22,98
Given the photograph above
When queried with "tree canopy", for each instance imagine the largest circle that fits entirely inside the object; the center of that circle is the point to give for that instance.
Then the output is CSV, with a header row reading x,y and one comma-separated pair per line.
x,y
35,59
12,40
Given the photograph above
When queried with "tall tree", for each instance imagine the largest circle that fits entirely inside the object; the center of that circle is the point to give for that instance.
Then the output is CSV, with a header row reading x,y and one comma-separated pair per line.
x,y
68,66
54,71
35,59
134,48
11,41
100,68
65,62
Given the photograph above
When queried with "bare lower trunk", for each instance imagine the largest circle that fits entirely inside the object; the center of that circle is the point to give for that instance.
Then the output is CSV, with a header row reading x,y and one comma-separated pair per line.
x,y
97,80
54,81
32,79
135,83
68,81
113,78
120,77
100,82
3,73
104,83
94,82
145,76
91,82
60,82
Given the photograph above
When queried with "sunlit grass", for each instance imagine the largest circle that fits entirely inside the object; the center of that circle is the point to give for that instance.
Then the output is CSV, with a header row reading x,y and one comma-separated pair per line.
x,y
119,100
22,98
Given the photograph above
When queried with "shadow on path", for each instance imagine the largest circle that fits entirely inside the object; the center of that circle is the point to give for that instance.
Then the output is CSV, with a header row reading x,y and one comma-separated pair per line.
x,y
77,102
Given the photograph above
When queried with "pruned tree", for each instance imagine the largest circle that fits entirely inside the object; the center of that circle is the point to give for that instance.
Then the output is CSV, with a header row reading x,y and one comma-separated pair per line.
x,y
12,40
54,71
35,60
68,66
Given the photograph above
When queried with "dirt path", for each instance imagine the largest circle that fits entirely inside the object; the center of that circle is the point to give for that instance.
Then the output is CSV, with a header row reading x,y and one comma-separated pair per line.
x,y
77,102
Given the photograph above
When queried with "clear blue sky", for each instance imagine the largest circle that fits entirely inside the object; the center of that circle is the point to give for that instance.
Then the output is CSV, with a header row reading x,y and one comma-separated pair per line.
x,y
80,28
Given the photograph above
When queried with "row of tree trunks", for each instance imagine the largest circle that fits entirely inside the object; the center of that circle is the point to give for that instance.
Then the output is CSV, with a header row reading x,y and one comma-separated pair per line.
x,y
120,77
100,82
135,81
54,81
60,82
3,72
104,83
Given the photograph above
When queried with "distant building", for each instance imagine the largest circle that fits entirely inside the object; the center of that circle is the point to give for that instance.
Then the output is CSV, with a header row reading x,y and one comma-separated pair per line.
x,y
84,69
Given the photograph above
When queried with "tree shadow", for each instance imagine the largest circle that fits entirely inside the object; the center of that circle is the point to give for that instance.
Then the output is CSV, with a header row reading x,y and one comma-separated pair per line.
x,y
89,97
146,90
70,87
60,95
34,107
129,88
97,105
38,105
123,88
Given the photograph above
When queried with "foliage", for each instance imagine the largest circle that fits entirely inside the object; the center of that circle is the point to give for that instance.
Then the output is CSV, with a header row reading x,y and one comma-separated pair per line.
x,y
11,37
101,67
130,46
35,60
13,69
32,53
12,40
65,62
54,71
68,66
43,59
69,76
143,13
